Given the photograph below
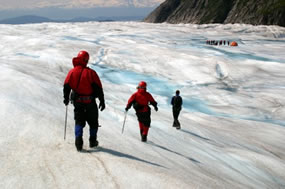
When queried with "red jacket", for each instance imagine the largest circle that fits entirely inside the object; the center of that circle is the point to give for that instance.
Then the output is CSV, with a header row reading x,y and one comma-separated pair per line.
x,y
83,81
143,99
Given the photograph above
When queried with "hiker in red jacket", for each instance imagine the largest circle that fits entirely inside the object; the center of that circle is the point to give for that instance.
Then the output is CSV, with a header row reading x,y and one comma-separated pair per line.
x,y
140,101
86,87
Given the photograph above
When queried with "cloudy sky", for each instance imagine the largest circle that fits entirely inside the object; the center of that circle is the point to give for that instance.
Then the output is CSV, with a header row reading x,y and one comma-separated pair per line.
x,y
30,4
68,9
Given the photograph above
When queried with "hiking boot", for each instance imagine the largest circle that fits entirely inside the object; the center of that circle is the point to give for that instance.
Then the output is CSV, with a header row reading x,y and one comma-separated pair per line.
x,y
144,138
178,125
93,142
175,123
78,143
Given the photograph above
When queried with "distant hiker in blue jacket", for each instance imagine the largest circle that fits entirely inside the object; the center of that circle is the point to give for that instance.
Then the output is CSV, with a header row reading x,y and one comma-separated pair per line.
x,y
176,103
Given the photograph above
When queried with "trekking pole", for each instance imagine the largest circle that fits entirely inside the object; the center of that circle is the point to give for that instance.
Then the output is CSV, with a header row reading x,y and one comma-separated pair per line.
x,y
124,121
65,122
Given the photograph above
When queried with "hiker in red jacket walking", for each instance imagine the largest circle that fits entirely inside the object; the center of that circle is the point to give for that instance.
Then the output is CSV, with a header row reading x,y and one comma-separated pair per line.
x,y
86,87
140,101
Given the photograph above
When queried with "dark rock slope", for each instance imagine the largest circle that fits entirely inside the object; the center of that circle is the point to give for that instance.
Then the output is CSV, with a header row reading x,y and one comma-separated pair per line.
x,y
256,12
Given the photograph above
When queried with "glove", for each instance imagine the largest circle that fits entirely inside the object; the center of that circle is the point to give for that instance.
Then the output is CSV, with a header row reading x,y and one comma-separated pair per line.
x,y
65,101
156,109
102,105
127,108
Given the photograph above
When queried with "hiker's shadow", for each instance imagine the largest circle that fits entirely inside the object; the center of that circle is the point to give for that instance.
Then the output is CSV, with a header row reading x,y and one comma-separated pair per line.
x,y
196,135
177,153
120,154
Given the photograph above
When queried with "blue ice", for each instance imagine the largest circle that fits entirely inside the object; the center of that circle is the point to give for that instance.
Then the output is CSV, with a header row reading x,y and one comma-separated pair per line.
x,y
162,87
72,38
157,86
27,55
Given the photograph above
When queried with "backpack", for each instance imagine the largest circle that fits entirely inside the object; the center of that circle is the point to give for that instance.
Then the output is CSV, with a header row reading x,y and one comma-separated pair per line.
x,y
137,106
177,101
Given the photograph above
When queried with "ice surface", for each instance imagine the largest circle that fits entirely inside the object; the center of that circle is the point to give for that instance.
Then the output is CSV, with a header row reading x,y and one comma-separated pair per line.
x,y
232,119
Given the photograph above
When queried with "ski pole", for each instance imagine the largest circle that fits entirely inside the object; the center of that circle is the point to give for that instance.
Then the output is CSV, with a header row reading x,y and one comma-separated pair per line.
x,y
65,122
124,121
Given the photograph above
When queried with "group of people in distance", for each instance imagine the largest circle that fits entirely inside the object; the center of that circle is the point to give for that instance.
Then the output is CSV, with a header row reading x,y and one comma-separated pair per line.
x,y
82,86
221,42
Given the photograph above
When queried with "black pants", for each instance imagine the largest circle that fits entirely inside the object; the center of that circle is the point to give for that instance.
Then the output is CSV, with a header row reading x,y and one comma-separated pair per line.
x,y
144,117
176,112
86,113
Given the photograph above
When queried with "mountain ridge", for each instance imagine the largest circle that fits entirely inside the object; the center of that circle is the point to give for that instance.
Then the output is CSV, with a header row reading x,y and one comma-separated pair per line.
x,y
262,12
31,19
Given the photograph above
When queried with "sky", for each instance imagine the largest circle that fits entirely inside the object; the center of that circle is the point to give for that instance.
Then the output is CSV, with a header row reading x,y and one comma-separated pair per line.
x,y
67,9
29,4
232,121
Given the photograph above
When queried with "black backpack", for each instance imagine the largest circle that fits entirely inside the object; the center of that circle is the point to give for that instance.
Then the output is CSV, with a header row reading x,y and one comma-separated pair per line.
x,y
177,101
137,106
